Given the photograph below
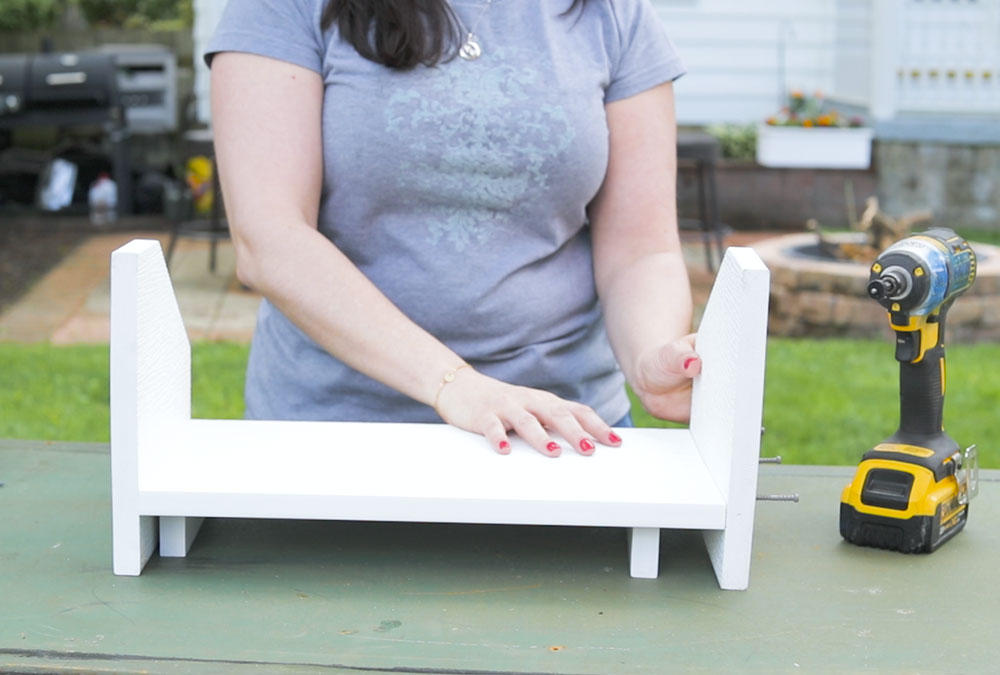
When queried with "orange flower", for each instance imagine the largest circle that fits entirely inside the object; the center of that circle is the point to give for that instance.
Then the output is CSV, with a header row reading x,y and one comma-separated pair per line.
x,y
807,123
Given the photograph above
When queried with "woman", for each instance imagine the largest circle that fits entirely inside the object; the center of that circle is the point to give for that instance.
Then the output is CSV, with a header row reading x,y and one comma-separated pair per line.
x,y
480,237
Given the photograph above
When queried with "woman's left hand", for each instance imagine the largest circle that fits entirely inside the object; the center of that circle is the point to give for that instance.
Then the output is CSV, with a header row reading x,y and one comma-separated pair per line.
x,y
664,379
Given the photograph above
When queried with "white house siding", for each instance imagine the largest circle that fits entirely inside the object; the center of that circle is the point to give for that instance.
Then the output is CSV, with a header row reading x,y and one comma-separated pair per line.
x,y
919,56
948,56
743,57
733,51
206,16
890,56
852,51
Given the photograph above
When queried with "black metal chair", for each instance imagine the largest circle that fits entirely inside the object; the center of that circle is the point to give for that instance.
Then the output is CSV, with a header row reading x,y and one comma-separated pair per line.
x,y
214,228
700,151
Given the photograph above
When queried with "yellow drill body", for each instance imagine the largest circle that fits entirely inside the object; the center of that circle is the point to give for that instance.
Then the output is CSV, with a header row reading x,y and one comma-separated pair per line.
x,y
907,494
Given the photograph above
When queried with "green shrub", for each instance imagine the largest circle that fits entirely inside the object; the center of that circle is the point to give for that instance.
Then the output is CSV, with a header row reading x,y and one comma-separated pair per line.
x,y
107,12
27,15
137,13
737,141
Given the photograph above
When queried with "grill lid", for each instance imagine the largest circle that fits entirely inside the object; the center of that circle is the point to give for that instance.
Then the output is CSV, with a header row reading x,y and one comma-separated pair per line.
x,y
71,79
13,80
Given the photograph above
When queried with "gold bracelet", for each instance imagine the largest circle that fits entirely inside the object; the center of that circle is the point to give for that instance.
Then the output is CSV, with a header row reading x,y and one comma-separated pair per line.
x,y
448,378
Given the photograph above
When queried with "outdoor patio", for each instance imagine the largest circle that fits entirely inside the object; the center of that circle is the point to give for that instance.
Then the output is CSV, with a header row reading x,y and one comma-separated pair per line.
x,y
70,303
301,596
267,595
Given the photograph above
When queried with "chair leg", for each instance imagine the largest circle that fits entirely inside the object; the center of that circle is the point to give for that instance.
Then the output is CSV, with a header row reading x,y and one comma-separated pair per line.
x,y
703,215
174,234
713,210
644,552
216,230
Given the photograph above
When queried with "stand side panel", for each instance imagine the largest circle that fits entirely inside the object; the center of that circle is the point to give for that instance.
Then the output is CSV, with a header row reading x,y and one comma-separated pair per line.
x,y
150,387
162,350
728,401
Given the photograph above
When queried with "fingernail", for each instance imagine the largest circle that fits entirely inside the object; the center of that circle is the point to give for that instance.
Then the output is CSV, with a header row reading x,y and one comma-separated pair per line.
x,y
552,447
504,447
586,445
688,361
614,438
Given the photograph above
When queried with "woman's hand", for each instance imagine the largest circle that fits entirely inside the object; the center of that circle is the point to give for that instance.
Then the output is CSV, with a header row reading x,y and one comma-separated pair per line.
x,y
487,406
664,379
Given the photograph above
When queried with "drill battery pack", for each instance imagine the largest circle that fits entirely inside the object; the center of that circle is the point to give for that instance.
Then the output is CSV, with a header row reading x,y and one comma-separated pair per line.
x,y
905,502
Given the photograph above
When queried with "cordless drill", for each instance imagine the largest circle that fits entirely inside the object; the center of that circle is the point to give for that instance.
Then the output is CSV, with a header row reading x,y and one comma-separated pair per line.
x,y
911,491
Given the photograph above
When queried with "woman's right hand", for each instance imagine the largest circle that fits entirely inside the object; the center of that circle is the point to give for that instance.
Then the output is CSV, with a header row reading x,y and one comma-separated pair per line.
x,y
487,406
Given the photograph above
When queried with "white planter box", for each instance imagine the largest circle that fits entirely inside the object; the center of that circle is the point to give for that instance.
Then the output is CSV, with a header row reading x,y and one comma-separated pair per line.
x,y
814,147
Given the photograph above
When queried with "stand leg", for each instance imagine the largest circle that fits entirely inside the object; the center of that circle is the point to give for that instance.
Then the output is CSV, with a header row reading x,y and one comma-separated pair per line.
x,y
177,533
644,552
133,540
730,551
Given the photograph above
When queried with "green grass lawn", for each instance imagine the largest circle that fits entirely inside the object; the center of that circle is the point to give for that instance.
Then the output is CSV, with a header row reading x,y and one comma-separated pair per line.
x,y
62,393
826,401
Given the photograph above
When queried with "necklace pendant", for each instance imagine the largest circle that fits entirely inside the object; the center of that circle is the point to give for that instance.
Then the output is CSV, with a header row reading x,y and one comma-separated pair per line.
x,y
470,49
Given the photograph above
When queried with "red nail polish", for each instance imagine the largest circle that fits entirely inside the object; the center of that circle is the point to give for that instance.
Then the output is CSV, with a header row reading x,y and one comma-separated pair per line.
x,y
688,361
504,447
552,447
586,445
613,437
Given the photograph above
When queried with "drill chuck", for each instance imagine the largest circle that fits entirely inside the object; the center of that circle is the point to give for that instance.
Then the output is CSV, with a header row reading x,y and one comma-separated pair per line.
x,y
923,273
894,283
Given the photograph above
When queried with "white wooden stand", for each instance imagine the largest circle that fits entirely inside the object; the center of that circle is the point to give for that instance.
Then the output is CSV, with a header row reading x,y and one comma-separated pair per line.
x,y
169,471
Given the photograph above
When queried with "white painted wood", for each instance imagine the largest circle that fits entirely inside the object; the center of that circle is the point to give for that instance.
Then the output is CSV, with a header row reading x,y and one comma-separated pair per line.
x,y
177,534
727,404
424,472
150,388
644,552
167,465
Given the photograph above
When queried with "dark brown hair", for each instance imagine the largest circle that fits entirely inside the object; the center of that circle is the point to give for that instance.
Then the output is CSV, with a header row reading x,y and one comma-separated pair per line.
x,y
400,34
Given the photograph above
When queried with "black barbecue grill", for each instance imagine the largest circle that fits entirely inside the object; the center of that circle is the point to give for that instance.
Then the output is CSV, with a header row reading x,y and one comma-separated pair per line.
x,y
67,89
64,84
72,80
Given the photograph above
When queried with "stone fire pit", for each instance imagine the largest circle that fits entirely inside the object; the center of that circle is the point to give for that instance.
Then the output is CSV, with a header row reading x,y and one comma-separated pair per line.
x,y
816,296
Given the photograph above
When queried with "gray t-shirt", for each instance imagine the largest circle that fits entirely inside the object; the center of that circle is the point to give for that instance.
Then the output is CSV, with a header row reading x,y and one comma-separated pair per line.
x,y
460,190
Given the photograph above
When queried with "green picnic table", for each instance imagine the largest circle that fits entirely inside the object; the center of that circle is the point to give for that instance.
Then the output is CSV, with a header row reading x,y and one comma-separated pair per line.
x,y
305,596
